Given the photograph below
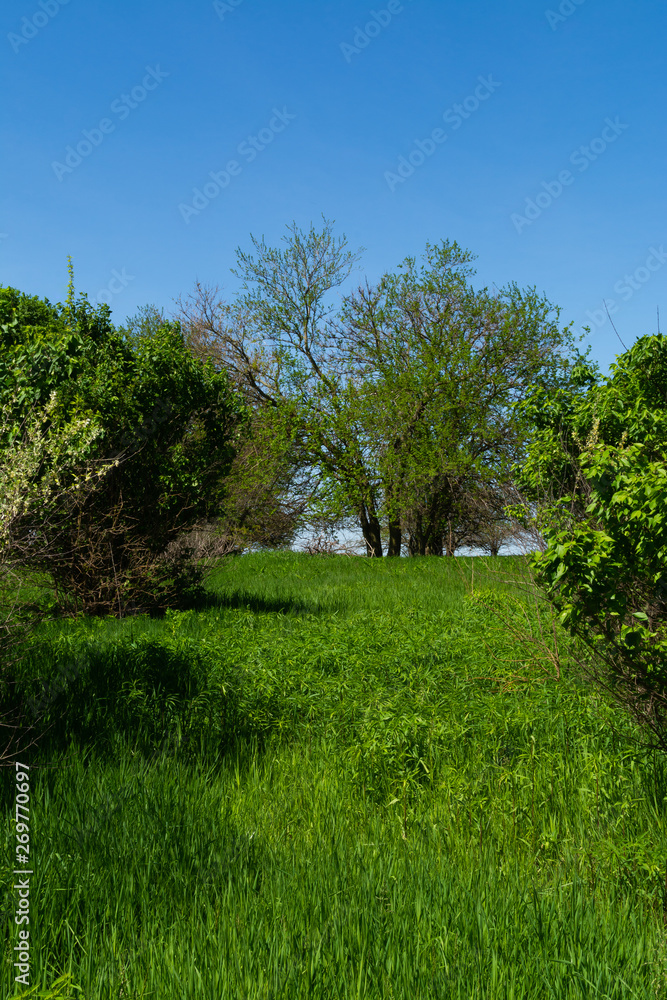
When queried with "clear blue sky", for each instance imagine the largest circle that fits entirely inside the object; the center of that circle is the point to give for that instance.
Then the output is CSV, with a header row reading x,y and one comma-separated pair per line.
x,y
332,110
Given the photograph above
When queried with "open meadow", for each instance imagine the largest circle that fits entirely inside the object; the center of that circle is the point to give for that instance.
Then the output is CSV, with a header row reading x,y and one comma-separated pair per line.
x,y
337,778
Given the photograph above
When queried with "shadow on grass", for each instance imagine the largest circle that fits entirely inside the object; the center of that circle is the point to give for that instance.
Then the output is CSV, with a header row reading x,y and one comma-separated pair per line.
x,y
144,692
243,600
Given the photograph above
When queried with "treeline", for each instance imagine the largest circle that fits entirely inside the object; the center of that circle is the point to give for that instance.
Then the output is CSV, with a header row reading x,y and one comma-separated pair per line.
x,y
131,452
390,409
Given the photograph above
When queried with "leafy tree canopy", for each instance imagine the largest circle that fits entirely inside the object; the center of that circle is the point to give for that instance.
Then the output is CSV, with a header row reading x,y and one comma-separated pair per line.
x,y
399,398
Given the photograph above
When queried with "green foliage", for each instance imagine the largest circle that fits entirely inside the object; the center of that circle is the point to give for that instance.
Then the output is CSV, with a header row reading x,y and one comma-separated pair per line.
x,y
62,989
597,468
266,490
438,366
169,419
170,414
42,346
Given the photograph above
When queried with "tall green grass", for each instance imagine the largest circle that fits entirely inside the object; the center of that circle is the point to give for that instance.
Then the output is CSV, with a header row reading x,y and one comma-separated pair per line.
x,y
340,778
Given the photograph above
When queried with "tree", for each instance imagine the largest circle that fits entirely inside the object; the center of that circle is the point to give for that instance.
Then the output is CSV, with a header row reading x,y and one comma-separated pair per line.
x,y
445,363
174,421
492,534
274,343
267,489
597,479
270,484
400,400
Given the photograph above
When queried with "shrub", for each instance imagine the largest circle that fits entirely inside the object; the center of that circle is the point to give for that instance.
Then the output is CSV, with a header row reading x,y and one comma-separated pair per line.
x,y
167,419
597,472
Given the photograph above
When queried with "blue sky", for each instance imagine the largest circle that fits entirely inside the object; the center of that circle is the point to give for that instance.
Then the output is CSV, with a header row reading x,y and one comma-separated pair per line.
x,y
531,133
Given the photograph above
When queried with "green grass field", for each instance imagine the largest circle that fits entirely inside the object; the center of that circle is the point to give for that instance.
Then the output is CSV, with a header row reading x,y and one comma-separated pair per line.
x,y
341,778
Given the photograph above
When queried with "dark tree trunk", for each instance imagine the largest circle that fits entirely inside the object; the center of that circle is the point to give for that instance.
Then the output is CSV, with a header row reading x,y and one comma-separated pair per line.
x,y
413,546
416,544
370,527
394,539
434,546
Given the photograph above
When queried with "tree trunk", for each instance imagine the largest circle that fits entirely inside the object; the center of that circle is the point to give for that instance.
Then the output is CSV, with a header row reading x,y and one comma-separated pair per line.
x,y
413,546
434,546
394,539
370,527
416,538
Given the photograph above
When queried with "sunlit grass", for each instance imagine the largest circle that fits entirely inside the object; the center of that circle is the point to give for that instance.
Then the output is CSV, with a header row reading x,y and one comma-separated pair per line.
x,y
341,778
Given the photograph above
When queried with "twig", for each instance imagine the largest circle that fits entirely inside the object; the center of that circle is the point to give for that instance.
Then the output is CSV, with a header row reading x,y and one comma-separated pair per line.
x,y
612,323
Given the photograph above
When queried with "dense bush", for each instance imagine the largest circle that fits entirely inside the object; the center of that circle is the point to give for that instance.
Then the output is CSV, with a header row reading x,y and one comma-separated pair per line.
x,y
171,421
598,470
